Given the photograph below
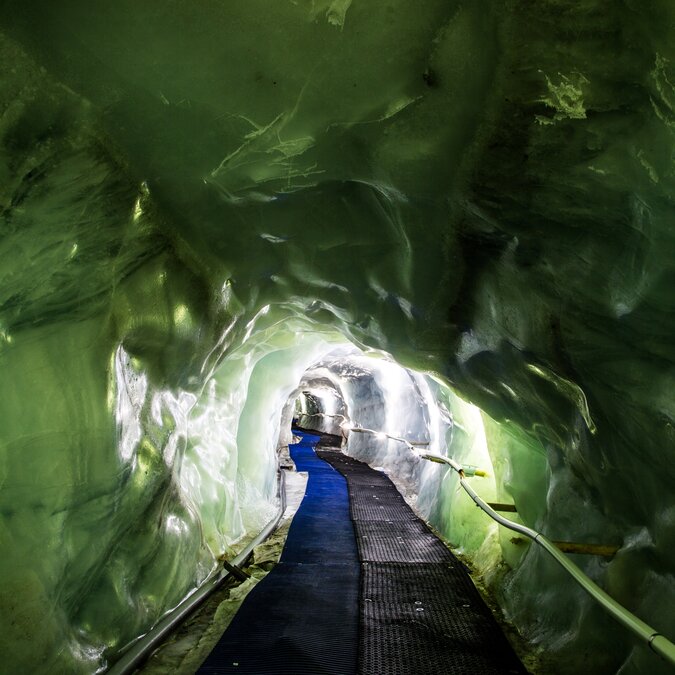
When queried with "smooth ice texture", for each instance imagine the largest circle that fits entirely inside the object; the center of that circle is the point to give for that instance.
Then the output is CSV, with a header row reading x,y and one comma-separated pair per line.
x,y
201,199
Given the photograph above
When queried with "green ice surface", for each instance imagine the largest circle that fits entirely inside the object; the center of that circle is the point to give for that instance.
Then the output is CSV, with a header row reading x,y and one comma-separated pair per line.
x,y
201,197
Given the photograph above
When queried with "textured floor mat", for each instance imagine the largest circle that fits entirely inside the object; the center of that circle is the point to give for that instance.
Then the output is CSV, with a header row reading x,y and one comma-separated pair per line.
x,y
292,623
428,619
368,502
409,608
377,510
420,613
399,541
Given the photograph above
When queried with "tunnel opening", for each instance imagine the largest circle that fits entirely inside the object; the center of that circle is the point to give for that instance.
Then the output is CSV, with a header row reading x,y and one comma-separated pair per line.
x,y
385,415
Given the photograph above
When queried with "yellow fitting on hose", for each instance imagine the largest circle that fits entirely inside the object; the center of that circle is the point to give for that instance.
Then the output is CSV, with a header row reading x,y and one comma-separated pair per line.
x,y
474,471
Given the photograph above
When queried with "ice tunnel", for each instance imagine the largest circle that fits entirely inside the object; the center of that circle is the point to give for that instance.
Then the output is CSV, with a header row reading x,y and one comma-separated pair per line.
x,y
445,222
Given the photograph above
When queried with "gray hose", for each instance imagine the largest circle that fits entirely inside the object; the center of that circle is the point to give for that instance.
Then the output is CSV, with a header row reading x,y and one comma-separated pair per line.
x,y
657,642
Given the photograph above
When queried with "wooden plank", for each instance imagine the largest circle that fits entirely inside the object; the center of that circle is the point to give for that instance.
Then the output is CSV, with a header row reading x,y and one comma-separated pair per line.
x,y
497,506
605,550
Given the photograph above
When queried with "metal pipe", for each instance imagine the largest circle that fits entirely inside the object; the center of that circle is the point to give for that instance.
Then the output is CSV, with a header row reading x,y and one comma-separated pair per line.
x,y
657,642
141,649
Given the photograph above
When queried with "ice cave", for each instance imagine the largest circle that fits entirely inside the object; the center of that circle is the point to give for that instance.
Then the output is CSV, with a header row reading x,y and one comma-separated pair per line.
x,y
449,223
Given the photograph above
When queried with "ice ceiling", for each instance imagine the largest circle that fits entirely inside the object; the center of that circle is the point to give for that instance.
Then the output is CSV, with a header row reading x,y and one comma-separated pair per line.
x,y
201,199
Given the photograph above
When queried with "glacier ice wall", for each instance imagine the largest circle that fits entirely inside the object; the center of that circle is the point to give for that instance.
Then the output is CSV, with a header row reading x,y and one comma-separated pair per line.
x,y
201,199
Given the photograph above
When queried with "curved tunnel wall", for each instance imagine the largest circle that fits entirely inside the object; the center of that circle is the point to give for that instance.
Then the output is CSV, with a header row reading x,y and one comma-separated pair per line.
x,y
491,203
390,402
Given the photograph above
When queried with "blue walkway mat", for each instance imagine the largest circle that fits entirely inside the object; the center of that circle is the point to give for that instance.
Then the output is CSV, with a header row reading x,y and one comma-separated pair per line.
x,y
303,617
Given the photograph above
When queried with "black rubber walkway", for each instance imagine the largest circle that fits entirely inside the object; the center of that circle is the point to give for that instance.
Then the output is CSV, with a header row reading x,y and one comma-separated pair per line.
x,y
419,610
363,586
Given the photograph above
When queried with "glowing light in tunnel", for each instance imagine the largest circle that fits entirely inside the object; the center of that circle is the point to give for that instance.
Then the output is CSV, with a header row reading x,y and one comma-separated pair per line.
x,y
181,314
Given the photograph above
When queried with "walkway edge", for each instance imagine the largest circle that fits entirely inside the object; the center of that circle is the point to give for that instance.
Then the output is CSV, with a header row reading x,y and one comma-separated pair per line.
x,y
142,648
